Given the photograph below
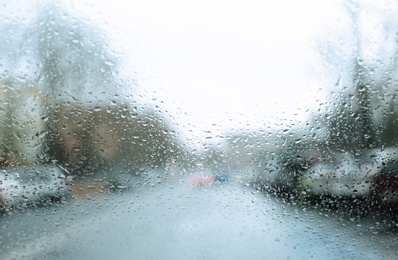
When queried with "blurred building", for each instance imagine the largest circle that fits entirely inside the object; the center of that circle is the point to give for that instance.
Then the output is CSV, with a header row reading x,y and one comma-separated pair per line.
x,y
108,140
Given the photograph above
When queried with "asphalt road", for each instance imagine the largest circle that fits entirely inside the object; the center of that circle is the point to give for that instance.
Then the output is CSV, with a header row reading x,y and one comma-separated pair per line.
x,y
170,220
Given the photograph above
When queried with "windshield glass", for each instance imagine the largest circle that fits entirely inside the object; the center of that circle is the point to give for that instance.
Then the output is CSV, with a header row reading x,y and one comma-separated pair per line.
x,y
198,129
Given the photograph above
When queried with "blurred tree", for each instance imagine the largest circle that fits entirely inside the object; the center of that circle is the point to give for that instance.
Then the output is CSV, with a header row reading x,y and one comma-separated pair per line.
x,y
351,120
92,122
72,56
388,128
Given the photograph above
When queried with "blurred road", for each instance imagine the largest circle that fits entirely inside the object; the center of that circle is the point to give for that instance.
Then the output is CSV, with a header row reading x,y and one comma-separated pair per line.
x,y
170,220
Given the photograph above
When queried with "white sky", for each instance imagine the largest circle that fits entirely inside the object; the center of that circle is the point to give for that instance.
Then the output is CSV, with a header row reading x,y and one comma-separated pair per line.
x,y
227,64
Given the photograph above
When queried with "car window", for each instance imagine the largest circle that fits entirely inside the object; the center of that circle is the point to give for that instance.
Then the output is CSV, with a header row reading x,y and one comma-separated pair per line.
x,y
198,129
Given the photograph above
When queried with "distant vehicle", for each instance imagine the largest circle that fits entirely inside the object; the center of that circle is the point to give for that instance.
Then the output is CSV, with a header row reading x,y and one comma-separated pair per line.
x,y
198,180
31,185
207,180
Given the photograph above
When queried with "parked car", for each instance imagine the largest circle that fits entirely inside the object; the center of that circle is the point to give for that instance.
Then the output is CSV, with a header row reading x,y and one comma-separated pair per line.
x,y
346,174
367,174
34,184
385,191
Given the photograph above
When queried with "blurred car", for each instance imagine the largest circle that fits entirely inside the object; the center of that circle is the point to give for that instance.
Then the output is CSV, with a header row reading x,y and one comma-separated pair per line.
x,y
31,185
207,180
385,191
335,173
198,180
346,174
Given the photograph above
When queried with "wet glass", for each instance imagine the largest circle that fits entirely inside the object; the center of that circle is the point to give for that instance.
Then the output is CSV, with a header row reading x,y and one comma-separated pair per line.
x,y
198,130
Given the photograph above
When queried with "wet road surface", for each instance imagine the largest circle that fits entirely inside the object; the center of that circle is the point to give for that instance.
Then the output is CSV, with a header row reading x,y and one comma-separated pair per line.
x,y
171,220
